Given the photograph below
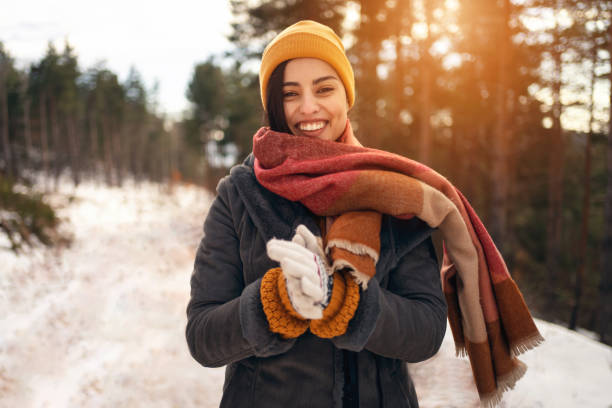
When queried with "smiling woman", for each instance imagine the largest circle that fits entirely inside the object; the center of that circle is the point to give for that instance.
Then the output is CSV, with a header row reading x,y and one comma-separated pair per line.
x,y
311,332
317,277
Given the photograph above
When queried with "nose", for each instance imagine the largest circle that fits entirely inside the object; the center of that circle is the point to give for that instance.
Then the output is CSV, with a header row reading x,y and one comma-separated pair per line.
x,y
309,104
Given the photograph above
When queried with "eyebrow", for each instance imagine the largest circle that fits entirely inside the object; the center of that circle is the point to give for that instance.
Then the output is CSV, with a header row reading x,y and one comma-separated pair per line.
x,y
316,81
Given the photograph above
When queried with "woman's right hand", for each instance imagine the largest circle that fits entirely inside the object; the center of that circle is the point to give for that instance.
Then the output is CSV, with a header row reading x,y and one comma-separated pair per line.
x,y
306,273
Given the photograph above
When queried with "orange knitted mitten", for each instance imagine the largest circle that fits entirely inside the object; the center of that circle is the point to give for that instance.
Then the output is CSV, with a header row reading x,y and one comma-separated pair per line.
x,y
341,308
282,318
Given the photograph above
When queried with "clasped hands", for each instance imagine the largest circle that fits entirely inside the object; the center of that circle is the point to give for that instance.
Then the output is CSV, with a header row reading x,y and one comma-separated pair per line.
x,y
306,270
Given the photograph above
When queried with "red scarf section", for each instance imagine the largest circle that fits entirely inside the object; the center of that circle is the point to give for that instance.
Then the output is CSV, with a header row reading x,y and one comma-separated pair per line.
x,y
487,314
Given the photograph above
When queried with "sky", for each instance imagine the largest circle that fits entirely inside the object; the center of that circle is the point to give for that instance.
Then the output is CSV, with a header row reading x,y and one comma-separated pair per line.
x,y
163,40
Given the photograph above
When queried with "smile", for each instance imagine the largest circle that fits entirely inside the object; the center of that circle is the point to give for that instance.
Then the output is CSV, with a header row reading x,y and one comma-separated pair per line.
x,y
311,126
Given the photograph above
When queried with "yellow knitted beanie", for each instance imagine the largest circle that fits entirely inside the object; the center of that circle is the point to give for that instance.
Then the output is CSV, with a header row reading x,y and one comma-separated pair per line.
x,y
307,39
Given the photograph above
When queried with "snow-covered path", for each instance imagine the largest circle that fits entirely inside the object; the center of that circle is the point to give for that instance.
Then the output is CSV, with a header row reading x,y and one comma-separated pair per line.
x,y
101,324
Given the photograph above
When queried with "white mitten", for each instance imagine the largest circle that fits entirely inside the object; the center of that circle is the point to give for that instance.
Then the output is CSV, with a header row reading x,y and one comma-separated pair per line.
x,y
306,274
308,240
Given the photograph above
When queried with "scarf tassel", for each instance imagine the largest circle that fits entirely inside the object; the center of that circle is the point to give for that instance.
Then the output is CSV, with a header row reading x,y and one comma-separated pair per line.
x,y
504,383
526,345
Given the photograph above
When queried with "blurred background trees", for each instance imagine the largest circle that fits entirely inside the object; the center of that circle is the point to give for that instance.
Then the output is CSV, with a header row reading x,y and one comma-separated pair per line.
x,y
54,120
509,99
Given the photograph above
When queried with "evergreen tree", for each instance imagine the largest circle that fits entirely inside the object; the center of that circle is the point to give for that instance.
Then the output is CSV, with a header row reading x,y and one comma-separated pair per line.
x,y
256,23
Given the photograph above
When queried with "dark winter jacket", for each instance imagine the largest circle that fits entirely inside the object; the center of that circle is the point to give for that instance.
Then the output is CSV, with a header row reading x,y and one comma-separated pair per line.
x,y
401,316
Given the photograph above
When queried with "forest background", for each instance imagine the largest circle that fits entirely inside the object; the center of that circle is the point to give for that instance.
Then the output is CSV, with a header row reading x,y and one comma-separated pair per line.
x,y
510,100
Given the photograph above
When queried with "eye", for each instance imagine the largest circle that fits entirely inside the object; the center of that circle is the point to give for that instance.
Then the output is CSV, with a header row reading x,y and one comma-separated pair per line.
x,y
289,94
325,89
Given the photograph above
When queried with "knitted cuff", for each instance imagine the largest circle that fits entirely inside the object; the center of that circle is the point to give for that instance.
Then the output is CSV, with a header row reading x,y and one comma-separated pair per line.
x,y
341,309
282,318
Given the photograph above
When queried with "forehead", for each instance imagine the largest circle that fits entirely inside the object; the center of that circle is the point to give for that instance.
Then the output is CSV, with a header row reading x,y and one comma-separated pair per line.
x,y
305,70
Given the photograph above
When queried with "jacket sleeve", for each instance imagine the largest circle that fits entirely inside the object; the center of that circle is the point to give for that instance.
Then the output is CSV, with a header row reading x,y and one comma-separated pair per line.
x,y
406,321
225,319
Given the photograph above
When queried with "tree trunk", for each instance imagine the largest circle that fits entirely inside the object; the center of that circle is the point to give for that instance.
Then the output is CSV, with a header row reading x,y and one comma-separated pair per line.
x,y
499,144
117,154
4,119
44,137
93,140
55,138
425,67
108,154
605,282
586,199
456,156
128,148
141,149
27,128
74,150
555,186
584,233
368,47
510,239
402,20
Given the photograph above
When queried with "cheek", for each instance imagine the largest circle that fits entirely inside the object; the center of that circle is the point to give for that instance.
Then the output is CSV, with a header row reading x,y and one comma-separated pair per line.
x,y
341,110
288,109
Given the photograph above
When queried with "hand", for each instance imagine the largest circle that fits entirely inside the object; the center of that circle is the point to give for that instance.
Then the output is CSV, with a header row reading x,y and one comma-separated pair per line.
x,y
308,240
314,244
306,273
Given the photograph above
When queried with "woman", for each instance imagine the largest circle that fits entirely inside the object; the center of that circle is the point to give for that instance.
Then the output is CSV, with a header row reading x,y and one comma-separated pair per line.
x,y
307,89
317,279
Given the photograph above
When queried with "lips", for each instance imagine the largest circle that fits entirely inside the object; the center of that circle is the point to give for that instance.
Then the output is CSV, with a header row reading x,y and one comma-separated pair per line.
x,y
311,126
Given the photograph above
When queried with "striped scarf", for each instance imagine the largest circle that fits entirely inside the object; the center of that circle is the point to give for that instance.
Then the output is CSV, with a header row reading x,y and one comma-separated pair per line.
x,y
489,320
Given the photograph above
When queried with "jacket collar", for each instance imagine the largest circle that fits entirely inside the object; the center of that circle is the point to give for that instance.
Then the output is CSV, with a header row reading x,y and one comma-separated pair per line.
x,y
274,216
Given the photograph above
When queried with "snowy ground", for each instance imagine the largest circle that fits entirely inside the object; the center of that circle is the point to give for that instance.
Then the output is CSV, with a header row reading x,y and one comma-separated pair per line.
x,y
101,324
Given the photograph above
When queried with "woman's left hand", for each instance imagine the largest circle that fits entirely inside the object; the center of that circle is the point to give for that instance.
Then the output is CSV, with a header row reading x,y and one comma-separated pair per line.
x,y
306,273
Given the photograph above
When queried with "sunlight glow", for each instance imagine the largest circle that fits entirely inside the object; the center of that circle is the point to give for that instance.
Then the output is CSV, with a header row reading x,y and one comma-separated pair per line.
x,y
406,40
441,118
452,5
441,47
351,21
420,30
575,118
382,71
452,60
387,51
405,117
564,19
452,28
381,105
352,16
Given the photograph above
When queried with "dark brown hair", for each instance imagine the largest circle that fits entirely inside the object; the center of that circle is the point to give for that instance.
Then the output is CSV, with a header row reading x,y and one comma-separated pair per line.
x,y
276,111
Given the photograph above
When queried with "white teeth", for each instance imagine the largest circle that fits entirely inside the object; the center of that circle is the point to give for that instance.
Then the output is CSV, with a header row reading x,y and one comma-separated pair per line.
x,y
312,126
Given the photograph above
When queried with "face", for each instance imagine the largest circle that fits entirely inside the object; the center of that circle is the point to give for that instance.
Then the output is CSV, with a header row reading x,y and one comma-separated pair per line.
x,y
314,99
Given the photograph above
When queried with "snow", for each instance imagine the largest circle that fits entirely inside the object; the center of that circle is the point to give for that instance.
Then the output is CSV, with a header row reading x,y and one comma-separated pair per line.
x,y
101,323
567,370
